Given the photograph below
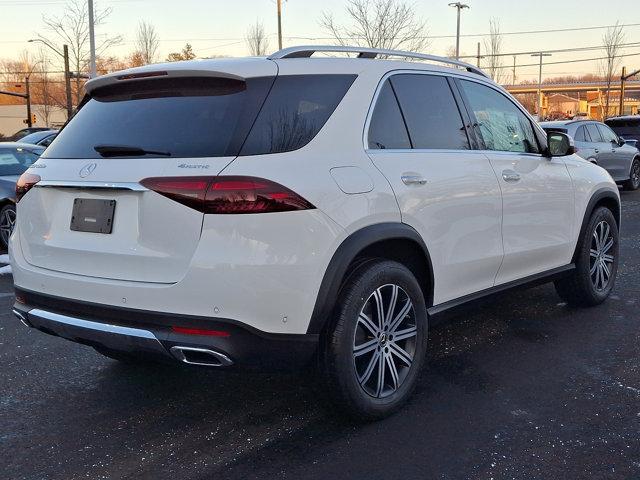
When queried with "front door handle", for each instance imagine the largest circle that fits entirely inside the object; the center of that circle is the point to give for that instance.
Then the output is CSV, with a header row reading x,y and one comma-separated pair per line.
x,y
510,176
597,151
413,180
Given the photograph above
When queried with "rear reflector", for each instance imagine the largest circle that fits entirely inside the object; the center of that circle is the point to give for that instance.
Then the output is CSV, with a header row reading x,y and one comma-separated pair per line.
x,y
200,331
228,195
25,183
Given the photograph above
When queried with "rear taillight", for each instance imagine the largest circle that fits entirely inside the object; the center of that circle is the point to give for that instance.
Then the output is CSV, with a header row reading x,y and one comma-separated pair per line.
x,y
228,195
25,183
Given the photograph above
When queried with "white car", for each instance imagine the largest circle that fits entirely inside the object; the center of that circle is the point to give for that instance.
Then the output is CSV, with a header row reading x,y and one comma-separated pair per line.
x,y
271,212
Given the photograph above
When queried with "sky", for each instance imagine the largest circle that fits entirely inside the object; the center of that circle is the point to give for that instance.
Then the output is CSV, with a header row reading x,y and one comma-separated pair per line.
x,y
217,27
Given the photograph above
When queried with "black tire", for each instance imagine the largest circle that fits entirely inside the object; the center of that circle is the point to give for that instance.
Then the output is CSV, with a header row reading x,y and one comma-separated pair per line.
x,y
7,220
366,400
634,176
586,286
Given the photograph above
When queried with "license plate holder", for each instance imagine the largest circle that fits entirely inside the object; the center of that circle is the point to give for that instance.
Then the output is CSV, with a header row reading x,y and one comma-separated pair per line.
x,y
92,215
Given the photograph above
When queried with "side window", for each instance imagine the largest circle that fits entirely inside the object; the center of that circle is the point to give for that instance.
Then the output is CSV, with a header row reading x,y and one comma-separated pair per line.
x,y
387,128
607,134
431,112
502,125
581,135
594,133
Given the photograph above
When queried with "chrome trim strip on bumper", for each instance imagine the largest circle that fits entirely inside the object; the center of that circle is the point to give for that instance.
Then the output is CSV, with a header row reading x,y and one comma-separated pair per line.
x,y
132,186
115,337
87,324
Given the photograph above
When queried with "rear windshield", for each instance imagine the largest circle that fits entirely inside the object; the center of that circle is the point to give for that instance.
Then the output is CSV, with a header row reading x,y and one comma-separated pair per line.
x,y
14,161
202,117
184,117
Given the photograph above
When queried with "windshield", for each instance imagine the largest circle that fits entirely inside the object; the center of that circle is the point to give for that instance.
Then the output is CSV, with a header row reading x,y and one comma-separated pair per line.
x,y
14,161
184,117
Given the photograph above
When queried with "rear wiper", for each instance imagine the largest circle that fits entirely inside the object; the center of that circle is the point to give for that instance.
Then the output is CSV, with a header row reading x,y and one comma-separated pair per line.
x,y
126,151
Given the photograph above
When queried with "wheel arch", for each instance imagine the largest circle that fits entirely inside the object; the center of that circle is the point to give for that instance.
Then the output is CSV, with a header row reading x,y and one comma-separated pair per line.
x,y
603,197
392,241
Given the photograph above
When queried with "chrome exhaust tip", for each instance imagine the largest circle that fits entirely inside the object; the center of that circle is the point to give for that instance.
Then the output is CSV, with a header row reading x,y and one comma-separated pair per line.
x,y
21,317
200,356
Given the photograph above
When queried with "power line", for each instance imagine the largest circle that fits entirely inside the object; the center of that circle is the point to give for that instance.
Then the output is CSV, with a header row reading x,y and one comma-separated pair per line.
x,y
561,50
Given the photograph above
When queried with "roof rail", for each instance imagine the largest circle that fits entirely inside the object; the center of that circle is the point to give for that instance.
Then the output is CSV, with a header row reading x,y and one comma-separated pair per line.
x,y
305,51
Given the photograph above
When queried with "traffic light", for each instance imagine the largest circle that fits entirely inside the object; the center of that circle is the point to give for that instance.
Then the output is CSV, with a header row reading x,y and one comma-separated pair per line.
x,y
33,118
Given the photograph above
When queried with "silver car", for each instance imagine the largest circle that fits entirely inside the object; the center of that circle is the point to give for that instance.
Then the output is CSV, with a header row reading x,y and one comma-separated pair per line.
x,y
599,144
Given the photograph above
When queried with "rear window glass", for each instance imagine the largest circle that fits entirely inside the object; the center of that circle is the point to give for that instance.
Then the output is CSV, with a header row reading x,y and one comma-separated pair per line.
x,y
581,135
593,132
431,112
387,128
297,108
14,161
184,117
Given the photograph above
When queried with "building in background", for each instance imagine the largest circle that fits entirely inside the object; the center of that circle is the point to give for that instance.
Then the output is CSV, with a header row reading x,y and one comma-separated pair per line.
x,y
12,118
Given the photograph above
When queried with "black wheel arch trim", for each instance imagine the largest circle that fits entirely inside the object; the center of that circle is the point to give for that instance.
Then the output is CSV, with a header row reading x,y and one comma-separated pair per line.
x,y
598,195
344,255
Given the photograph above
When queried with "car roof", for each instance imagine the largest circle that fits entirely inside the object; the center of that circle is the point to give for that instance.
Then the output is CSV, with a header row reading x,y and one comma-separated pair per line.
x,y
287,63
624,118
25,146
37,136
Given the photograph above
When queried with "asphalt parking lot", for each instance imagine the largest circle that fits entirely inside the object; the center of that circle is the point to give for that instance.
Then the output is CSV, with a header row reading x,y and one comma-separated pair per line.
x,y
521,388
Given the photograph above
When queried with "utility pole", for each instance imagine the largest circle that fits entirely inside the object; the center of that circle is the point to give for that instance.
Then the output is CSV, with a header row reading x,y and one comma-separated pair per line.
x,y
67,80
458,6
92,40
67,73
623,80
541,54
279,24
478,56
28,98
514,70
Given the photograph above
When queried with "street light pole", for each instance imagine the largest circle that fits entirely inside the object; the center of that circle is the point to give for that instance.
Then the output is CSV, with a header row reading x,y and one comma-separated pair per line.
x,y
459,6
67,73
92,41
280,24
540,54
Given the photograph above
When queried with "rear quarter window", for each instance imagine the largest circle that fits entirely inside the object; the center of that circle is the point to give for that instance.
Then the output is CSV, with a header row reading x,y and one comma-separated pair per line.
x,y
296,109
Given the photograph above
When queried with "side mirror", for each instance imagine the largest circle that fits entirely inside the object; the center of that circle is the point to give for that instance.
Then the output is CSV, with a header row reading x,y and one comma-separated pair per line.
x,y
560,144
621,141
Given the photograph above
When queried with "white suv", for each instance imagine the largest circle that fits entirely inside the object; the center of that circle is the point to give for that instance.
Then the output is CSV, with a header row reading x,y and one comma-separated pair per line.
x,y
271,212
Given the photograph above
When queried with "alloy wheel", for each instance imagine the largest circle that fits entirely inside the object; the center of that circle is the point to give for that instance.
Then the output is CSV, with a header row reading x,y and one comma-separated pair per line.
x,y
635,174
601,257
7,221
385,341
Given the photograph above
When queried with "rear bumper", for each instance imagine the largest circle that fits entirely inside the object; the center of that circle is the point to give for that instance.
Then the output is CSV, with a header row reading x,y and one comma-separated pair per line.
x,y
150,334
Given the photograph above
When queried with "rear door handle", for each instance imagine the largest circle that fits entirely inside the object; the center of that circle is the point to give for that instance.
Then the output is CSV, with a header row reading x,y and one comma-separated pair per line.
x,y
510,176
596,150
413,180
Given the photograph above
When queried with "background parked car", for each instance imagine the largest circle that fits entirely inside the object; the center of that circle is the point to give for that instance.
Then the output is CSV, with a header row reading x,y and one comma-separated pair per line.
x,y
26,131
15,158
599,144
628,127
43,138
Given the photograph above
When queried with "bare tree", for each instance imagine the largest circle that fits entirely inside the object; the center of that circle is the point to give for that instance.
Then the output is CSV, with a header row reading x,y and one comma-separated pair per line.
x,y
72,28
493,48
388,24
256,39
147,42
612,42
